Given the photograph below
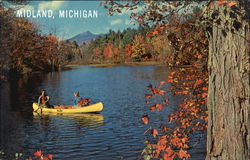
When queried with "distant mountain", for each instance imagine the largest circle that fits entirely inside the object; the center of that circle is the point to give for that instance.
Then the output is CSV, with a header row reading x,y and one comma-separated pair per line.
x,y
84,37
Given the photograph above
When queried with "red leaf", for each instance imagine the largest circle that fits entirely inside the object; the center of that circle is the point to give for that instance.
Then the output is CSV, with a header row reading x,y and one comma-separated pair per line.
x,y
145,119
38,153
154,132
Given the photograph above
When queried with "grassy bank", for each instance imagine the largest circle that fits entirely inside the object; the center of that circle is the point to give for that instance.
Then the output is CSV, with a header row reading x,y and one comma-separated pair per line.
x,y
115,64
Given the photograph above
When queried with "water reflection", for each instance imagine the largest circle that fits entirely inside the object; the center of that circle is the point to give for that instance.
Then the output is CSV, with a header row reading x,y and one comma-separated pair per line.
x,y
86,120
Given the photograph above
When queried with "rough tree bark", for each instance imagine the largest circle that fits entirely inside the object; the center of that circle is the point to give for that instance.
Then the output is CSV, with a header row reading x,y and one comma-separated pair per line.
x,y
228,95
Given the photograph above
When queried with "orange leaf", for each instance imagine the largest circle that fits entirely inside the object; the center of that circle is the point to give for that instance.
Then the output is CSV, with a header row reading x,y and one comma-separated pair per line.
x,y
220,2
44,158
164,128
159,107
199,56
169,150
38,153
179,145
155,32
231,4
152,108
204,88
162,82
50,156
185,146
204,95
161,92
172,73
154,132
185,92
170,80
145,119
183,154
169,155
148,95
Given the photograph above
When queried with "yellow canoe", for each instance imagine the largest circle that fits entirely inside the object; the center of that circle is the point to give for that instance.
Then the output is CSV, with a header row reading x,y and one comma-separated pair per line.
x,y
98,107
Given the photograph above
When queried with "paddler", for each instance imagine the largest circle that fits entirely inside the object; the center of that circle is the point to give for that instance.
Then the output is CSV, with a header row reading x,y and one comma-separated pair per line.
x,y
44,100
77,99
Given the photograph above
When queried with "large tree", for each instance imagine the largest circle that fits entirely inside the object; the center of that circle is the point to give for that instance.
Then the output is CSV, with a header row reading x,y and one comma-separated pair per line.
x,y
228,94
227,24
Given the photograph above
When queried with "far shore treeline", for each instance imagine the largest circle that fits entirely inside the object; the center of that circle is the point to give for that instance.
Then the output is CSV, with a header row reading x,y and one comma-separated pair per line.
x,y
24,49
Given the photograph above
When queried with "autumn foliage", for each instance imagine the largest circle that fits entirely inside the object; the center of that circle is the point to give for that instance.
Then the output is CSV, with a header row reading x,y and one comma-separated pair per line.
x,y
190,115
173,138
39,156
24,49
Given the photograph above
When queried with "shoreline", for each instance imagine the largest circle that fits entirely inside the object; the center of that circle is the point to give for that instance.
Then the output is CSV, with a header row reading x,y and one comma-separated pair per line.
x,y
146,63
115,64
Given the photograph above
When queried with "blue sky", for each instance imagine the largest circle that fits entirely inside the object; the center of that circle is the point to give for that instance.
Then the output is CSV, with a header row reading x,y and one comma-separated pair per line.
x,y
66,28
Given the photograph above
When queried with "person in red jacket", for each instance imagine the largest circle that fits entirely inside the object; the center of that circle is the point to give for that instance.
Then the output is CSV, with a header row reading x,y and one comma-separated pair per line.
x,y
44,100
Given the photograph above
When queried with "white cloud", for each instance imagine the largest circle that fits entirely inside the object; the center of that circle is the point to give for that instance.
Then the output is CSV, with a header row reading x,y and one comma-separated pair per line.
x,y
52,5
115,22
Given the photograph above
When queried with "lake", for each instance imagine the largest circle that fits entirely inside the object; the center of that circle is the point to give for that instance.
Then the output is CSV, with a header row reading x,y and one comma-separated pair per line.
x,y
116,133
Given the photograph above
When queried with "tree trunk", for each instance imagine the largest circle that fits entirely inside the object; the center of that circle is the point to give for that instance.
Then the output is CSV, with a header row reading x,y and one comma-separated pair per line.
x,y
228,95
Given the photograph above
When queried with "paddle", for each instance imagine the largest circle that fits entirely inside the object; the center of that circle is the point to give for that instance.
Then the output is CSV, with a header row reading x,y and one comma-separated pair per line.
x,y
38,104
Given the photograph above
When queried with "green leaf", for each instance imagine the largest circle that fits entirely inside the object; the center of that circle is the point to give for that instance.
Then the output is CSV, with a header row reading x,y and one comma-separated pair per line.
x,y
146,157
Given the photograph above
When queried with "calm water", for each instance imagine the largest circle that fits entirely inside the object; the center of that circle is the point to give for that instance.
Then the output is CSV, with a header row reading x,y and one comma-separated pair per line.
x,y
116,133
